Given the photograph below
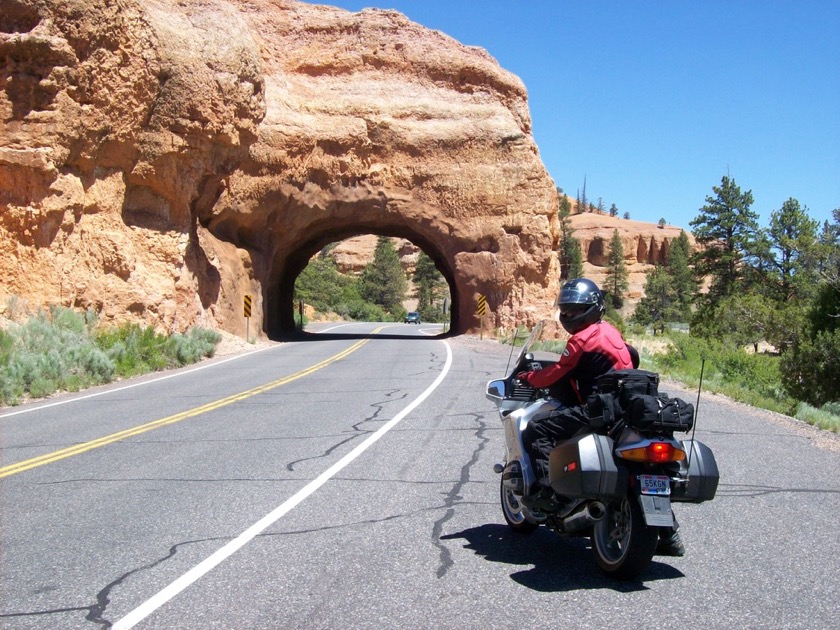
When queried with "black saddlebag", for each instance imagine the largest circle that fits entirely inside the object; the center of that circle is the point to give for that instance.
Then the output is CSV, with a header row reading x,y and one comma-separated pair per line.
x,y
585,467
625,383
703,475
659,413
639,402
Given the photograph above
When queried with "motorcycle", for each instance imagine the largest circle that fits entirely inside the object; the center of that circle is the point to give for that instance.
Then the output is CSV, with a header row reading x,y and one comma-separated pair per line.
x,y
613,481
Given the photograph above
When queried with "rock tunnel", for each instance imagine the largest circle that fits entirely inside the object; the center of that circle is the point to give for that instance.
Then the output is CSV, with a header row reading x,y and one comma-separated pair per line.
x,y
279,310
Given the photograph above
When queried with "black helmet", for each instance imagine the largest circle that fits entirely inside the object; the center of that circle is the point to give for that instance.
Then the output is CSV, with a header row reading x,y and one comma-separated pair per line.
x,y
581,304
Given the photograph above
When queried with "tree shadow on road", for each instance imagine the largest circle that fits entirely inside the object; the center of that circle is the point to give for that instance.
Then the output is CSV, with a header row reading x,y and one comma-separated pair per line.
x,y
557,563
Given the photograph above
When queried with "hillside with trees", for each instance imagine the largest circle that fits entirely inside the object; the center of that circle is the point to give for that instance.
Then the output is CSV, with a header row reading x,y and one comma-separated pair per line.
x,y
775,287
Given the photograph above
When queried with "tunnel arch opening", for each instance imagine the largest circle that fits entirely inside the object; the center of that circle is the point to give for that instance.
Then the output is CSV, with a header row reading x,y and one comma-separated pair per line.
x,y
279,315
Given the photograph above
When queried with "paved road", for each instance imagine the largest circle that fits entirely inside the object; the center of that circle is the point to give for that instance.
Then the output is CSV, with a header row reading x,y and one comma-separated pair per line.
x,y
346,482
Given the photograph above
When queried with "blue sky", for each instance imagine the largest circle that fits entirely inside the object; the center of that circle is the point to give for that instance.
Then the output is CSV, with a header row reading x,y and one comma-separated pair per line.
x,y
653,101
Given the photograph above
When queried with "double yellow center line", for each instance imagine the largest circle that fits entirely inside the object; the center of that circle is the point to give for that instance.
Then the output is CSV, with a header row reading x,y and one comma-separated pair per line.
x,y
13,469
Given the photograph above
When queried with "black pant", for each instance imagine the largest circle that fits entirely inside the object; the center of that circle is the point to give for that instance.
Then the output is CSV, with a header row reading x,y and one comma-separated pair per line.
x,y
541,436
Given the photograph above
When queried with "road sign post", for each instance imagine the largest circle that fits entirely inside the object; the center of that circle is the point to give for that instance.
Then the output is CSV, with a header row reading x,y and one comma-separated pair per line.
x,y
246,308
481,309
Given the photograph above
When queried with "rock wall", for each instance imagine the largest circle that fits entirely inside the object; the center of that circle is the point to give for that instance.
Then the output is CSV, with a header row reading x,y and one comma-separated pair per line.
x,y
161,160
115,115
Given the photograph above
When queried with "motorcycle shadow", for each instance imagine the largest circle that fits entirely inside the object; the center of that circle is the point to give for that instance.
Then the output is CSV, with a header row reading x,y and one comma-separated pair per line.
x,y
558,563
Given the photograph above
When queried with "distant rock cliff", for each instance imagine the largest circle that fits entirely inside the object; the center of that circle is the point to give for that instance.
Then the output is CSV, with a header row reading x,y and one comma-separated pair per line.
x,y
644,245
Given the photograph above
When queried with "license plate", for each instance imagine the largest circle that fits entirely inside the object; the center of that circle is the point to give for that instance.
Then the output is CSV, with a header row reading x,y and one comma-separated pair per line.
x,y
655,484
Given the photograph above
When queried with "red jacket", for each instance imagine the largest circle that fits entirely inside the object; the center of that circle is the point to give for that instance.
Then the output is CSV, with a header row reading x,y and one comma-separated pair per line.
x,y
589,354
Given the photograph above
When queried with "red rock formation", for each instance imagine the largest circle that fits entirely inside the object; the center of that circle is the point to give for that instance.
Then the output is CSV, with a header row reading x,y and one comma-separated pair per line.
x,y
644,245
160,160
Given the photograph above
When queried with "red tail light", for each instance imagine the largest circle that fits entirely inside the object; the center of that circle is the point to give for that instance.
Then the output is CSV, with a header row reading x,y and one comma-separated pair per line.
x,y
653,452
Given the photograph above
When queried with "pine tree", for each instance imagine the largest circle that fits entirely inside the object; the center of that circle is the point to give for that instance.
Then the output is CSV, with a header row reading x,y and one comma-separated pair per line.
x,y
829,251
583,198
683,283
759,263
811,368
383,282
616,277
726,226
657,307
576,264
430,286
571,263
793,236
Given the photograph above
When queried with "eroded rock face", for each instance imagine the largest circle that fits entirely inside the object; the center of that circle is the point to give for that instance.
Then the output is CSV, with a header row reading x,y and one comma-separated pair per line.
x,y
160,160
116,119
644,245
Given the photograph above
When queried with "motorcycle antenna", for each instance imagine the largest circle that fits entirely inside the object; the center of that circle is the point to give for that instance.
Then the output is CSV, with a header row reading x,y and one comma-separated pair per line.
x,y
696,409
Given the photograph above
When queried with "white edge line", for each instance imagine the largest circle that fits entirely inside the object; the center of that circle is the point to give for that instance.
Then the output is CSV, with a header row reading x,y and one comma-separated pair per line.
x,y
215,559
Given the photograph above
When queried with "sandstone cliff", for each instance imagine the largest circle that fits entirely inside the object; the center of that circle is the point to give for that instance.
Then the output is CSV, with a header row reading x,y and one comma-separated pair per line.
x,y
644,245
159,161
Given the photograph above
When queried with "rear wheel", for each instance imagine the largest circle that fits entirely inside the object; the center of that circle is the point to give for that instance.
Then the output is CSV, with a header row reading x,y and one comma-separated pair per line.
x,y
622,542
512,510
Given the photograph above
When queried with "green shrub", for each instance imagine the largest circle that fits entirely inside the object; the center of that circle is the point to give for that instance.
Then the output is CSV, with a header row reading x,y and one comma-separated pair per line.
x,y
133,349
832,408
193,346
63,350
41,387
50,352
7,344
748,377
811,369
359,310
549,345
825,418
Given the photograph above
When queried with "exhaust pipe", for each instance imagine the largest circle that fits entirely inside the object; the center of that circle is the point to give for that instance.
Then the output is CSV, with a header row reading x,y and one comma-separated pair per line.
x,y
593,512
596,511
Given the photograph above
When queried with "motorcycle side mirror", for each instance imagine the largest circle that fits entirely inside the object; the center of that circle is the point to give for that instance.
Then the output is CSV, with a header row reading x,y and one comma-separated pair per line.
x,y
496,390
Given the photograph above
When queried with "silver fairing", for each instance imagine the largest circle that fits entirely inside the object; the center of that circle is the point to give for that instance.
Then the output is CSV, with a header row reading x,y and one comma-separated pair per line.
x,y
515,424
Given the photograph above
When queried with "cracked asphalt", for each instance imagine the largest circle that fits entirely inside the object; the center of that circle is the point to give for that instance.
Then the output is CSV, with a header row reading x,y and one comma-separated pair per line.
x,y
408,534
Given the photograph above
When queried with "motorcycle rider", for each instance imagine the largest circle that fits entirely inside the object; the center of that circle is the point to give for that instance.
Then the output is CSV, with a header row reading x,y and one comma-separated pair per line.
x,y
594,348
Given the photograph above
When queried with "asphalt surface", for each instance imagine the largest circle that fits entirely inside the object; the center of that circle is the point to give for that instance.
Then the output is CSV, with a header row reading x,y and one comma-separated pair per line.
x,y
346,481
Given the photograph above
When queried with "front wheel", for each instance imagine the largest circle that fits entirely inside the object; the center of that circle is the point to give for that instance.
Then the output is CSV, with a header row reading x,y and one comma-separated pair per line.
x,y
622,542
512,511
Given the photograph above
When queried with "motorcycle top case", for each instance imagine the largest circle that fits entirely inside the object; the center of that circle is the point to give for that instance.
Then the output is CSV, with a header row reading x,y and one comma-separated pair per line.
x,y
585,467
703,475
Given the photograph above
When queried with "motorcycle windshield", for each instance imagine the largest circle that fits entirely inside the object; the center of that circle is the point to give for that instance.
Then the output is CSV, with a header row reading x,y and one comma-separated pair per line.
x,y
534,337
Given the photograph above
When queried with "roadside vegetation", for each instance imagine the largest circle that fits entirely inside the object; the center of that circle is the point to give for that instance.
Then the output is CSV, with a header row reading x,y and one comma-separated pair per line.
x,y
65,350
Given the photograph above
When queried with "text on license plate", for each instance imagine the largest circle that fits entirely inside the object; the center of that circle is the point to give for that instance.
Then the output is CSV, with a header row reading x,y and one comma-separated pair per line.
x,y
655,484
